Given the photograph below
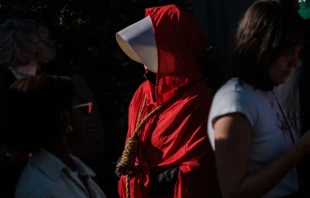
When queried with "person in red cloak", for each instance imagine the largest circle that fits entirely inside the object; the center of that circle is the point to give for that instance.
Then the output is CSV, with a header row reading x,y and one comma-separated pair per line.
x,y
167,152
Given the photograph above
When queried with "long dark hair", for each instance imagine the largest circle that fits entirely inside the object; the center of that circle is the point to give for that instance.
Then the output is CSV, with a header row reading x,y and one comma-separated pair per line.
x,y
265,32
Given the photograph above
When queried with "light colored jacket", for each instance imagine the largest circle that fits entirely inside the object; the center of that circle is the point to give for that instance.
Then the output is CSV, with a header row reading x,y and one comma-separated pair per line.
x,y
45,176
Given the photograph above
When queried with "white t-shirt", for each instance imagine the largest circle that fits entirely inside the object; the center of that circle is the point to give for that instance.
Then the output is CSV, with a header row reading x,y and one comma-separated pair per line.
x,y
271,135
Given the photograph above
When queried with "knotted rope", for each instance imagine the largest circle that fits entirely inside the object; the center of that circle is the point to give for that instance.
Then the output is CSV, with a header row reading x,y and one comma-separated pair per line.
x,y
127,165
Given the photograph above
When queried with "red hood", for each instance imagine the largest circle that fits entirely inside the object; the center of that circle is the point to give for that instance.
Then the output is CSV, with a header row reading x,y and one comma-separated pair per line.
x,y
179,43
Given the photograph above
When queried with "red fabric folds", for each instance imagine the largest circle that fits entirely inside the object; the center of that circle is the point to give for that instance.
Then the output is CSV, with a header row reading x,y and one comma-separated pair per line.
x,y
177,136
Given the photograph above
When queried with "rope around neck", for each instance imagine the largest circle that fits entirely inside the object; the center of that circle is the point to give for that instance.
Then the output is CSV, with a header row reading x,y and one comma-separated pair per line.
x,y
127,165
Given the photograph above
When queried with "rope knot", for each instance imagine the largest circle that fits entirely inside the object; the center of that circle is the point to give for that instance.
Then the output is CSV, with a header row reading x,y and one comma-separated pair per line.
x,y
127,164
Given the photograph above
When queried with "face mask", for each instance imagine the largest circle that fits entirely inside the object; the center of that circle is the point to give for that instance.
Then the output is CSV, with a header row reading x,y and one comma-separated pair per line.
x,y
25,70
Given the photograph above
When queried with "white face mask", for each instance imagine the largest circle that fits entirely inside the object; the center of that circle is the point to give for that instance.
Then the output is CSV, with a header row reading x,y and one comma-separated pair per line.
x,y
25,70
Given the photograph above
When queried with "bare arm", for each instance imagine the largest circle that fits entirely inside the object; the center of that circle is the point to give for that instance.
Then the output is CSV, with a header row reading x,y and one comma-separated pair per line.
x,y
233,133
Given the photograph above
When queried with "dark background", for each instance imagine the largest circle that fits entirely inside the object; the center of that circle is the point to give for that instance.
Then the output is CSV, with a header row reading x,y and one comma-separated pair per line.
x,y
84,32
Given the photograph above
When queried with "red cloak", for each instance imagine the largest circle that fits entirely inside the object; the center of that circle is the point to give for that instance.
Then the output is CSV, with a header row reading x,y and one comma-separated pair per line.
x,y
177,136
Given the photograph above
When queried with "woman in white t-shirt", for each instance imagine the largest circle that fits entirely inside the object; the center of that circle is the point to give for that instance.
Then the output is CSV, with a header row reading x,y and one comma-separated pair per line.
x,y
256,150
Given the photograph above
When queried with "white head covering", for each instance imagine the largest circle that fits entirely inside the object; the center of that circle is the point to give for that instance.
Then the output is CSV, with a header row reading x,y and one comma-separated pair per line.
x,y
138,42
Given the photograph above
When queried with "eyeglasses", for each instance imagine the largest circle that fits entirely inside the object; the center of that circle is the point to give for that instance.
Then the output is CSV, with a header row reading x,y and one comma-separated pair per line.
x,y
85,108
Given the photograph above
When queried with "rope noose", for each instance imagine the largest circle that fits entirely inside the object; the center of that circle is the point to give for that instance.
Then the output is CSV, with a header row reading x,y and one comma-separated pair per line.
x,y
127,165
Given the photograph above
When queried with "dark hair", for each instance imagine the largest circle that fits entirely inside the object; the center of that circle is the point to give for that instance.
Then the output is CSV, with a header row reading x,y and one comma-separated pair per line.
x,y
33,111
267,30
23,41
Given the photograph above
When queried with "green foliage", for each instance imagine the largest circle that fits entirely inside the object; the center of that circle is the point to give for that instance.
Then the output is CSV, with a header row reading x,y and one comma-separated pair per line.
x,y
84,32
